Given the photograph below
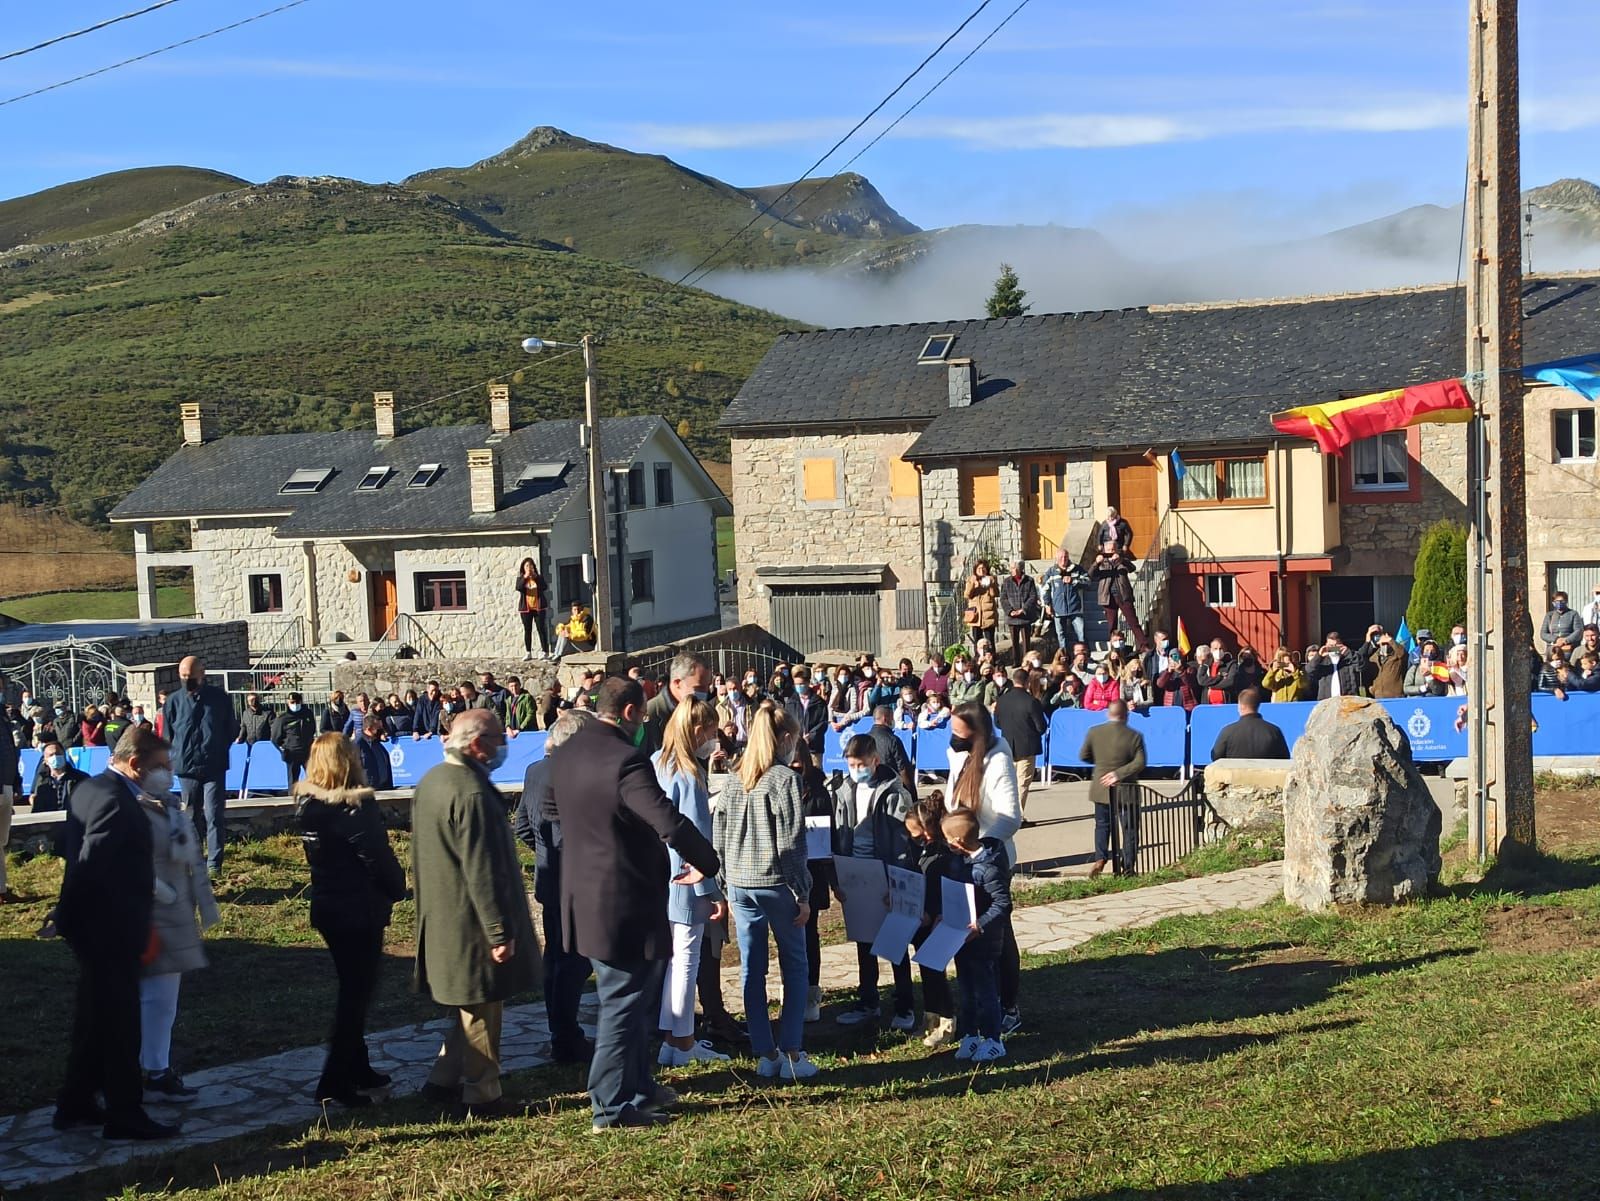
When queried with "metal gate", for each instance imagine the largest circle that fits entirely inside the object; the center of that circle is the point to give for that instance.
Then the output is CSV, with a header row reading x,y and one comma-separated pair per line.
x,y
76,674
818,619
1151,830
1577,580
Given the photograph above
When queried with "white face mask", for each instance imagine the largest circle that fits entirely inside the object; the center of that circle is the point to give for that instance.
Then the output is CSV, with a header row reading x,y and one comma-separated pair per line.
x,y
707,748
157,781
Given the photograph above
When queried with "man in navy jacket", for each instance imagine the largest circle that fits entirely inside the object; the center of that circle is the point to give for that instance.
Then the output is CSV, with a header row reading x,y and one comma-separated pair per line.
x,y
200,724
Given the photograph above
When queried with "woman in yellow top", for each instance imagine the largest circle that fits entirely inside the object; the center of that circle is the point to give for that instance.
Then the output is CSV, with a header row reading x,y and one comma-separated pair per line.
x,y
531,607
1284,679
575,633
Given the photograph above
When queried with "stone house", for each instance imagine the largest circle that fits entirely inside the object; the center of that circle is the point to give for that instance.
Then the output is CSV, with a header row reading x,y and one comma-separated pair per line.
x,y
318,539
872,466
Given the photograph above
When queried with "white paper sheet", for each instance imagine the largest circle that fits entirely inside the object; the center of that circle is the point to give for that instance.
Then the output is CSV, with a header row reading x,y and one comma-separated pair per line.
x,y
864,891
948,937
906,890
819,838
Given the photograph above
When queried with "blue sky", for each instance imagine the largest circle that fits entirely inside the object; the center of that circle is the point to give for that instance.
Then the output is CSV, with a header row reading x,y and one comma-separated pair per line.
x,y
1284,115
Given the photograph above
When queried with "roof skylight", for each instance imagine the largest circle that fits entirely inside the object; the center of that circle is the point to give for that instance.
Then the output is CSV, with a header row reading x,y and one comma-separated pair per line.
x,y
375,478
424,475
537,472
936,347
307,479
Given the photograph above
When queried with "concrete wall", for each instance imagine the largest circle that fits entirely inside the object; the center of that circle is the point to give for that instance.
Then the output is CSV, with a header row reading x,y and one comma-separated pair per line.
x,y
1383,534
396,675
774,526
1563,498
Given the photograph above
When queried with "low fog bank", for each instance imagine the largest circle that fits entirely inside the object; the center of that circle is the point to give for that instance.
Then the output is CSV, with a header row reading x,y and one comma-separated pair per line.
x,y
1152,262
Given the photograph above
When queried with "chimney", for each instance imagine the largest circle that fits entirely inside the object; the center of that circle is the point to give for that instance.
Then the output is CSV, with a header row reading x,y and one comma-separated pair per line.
x,y
963,375
499,409
383,414
483,474
196,422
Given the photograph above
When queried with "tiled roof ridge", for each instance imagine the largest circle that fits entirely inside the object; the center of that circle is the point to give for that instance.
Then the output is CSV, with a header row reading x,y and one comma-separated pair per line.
x,y
1193,306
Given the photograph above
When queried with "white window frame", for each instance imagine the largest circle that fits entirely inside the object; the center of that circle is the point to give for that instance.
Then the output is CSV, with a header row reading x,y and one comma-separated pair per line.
x,y
1375,444
1232,591
1572,418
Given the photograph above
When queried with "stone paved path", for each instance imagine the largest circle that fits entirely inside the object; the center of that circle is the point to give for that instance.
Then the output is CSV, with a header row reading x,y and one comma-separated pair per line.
x,y
241,1098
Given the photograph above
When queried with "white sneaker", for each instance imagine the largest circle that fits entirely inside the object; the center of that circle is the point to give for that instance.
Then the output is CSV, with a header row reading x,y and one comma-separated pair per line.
x,y
796,1067
941,1033
969,1046
701,1052
988,1050
669,1056
904,1022
857,1016
768,1067
814,1004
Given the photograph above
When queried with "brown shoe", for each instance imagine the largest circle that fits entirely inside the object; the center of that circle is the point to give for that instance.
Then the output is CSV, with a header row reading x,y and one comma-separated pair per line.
x,y
1099,866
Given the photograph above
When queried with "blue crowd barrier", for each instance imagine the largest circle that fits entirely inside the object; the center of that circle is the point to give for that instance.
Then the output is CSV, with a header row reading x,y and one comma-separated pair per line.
x,y
1206,722
908,740
28,765
91,760
1430,723
409,761
525,749
1165,730
933,749
238,762
266,773
1569,727
833,743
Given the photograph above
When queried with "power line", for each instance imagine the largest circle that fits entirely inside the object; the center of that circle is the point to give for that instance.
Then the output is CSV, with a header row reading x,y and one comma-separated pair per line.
x,y
78,33
767,209
138,58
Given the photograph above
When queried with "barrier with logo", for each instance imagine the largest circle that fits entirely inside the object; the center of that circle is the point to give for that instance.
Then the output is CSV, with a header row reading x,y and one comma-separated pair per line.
x,y
28,765
1569,727
833,743
1430,723
91,760
409,761
522,751
1207,721
1165,730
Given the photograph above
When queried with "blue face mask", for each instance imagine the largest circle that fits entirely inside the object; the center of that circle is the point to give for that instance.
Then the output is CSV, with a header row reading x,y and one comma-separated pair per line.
x,y
861,774
497,759
294,708
55,762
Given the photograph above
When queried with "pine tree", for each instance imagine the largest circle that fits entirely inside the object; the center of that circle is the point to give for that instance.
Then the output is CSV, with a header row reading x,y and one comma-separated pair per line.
x,y
1439,593
1007,298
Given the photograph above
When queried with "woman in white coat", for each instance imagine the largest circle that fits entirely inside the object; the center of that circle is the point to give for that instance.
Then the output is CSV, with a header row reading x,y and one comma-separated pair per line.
x,y
182,892
983,778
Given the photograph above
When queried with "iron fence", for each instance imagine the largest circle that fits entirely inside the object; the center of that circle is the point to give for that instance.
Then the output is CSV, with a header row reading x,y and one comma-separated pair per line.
x,y
1151,829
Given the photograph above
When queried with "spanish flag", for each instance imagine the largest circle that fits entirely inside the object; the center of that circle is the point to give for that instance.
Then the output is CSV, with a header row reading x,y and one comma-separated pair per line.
x,y
1183,638
1337,423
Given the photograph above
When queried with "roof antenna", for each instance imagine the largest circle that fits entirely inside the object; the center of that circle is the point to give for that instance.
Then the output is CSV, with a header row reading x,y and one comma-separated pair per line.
x,y
1527,238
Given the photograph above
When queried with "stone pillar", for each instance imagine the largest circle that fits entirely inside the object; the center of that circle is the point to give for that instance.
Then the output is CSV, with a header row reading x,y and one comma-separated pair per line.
x,y
313,623
145,679
500,409
144,574
483,474
383,414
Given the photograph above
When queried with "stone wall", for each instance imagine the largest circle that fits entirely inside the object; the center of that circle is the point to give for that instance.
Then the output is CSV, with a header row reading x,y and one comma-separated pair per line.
x,y
489,626
1244,794
1383,537
774,526
1563,498
227,553
384,676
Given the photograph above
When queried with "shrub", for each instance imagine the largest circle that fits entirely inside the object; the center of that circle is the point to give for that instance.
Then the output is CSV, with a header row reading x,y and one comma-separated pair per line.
x,y
1439,593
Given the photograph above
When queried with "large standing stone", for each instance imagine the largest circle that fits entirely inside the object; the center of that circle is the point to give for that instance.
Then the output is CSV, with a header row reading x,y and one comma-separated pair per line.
x,y
1359,823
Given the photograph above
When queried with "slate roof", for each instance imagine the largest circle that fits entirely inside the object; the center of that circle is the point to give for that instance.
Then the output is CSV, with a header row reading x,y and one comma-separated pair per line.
x,y
243,474
1142,376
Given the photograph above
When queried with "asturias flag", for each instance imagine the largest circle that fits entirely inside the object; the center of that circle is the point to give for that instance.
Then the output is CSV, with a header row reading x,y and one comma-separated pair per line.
x,y
1335,424
1404,638
1581,374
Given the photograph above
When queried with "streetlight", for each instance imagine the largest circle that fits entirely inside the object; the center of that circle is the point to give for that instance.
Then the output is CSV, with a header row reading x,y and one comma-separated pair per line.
x,y
597,490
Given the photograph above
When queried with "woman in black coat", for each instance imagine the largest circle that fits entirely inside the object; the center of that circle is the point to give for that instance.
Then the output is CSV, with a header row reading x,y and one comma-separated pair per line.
x,y
355,881
818,802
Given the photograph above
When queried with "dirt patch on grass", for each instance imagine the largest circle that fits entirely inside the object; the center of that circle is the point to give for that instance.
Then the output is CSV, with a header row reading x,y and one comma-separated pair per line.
x,y
1585,993
1538,929
1567,818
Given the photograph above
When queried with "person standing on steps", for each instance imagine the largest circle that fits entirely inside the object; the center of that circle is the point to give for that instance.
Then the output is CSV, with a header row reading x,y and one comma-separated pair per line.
x,y
475,941
983,605
200,725
1116,753
531,608
355,882
1019,599
616,826
103,914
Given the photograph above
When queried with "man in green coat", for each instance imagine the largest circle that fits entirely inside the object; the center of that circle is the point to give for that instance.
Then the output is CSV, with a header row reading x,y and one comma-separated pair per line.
x,y
475,941
1117,755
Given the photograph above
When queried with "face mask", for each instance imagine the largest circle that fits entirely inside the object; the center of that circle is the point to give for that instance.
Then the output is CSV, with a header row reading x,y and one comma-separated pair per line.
x,y
497,758
1101,676
56,762
1559,605
1459,639
294,708
959,742
844,681
191,683
157,781
868,673
967,676
700,694
861,774
706,749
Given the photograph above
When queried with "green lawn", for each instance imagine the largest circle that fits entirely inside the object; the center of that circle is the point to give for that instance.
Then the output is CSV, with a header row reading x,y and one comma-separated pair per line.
x,y
176,601
1446,1049
724,547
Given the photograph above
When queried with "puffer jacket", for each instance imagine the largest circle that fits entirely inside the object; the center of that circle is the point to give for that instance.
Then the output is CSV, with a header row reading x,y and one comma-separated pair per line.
x,y
982,602
355,877
182,889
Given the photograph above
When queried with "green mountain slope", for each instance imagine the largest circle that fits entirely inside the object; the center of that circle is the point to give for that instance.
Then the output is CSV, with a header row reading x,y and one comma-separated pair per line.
x,y
845,204
105,203
287,304
646,210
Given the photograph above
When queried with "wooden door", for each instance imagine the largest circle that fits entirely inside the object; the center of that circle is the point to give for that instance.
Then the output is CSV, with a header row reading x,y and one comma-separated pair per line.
x,y
1133,492
385,604
1045,511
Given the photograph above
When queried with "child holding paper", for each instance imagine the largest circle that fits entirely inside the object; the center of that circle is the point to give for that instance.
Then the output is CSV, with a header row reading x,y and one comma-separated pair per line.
x,y
982,863
818,805
922,824
870,808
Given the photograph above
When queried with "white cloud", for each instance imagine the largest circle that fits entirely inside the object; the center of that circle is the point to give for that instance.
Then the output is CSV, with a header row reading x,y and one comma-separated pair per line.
x,y
396,73
736,135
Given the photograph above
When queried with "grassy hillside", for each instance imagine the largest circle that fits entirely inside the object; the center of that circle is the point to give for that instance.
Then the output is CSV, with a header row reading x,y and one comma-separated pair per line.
x,y
640,209
105,203
287,304
845,204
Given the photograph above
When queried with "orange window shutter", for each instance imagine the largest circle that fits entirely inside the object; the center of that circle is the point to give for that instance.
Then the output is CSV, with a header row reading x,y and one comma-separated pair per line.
x,y
819,480
902,480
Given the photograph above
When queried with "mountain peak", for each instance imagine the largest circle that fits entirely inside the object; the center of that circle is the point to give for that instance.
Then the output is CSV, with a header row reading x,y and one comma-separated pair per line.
x,y
541,137
1577,194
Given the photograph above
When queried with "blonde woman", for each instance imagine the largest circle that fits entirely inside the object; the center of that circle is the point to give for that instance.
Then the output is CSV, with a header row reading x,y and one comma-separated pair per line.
x,y
355,881
1135,686
688,741
759,830
182,889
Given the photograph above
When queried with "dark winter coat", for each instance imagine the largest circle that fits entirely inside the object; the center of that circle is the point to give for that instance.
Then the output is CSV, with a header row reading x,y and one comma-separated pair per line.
x,y
200,726
355,877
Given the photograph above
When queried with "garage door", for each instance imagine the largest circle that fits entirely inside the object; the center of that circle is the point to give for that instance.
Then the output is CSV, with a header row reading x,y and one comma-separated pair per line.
x,y
817,619
1577,580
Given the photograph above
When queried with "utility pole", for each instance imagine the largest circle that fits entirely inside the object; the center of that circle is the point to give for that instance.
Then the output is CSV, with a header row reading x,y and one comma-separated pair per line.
x,y
1500,738
597,502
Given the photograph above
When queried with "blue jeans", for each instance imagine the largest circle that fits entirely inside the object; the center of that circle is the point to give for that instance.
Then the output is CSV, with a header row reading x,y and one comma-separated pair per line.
x,y
620,1080
754,911
976,973
1062,624
207,803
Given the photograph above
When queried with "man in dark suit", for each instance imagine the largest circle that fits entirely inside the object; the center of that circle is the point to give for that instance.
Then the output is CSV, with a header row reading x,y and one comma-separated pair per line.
x,y
809,708
1022,723
1252,736
1334,669
1117,755
614,822
538,826
55,780
891,751
688,678
104,915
